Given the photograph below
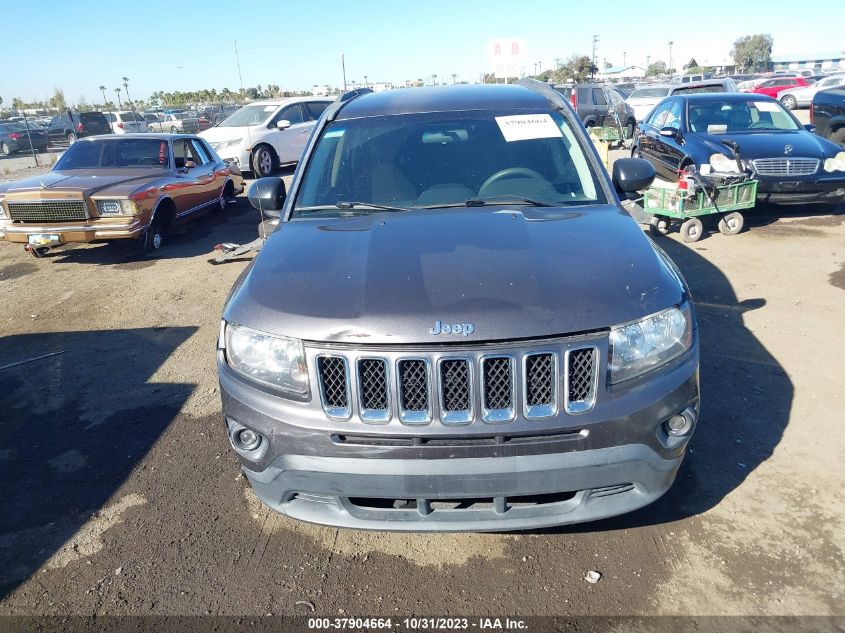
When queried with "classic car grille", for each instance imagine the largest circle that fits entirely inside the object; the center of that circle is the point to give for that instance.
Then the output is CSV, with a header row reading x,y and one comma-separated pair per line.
x,y
786,166
455,383
47,210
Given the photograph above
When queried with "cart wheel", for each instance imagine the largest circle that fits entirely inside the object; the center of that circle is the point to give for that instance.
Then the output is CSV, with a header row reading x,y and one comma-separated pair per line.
x,y
691,230
658,225
731,223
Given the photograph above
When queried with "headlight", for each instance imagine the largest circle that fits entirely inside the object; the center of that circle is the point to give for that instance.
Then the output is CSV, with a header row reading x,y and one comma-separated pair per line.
x,y
277,361
722,163
837,163
116,207
639,347
2,211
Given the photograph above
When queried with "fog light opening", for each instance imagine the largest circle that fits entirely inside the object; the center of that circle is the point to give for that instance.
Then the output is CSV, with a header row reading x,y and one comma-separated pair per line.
x,y
680,423
247,439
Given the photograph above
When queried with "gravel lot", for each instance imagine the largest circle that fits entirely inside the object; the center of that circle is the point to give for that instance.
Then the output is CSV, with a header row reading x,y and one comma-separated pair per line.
x,y
122,495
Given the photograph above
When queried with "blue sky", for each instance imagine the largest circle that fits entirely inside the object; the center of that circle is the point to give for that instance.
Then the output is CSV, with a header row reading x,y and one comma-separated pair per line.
x,y
189,45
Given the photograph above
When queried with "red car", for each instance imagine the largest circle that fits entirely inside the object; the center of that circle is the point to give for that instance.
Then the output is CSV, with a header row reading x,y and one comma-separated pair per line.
x,y
773,86
203,123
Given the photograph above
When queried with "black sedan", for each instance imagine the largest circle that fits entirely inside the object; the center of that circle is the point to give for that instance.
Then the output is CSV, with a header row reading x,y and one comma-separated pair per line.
x,y
13,138
792,164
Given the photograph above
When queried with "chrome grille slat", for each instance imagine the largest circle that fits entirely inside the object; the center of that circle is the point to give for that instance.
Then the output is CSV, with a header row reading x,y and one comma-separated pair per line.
x,y
373,389
414,391
540,384
787,166
580,379
455,382
334,386
47,210
497,389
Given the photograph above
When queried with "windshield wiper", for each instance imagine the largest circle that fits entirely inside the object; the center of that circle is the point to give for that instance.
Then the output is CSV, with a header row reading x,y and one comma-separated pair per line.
x,y
368,205
504,199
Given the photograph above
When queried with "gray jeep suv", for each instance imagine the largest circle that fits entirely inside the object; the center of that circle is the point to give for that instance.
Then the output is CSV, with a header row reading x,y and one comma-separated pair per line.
x,y
455,325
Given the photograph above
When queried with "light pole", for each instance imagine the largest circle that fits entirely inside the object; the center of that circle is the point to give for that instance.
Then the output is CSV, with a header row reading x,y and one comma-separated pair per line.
x,y
624,54
593,59
343,67
670,57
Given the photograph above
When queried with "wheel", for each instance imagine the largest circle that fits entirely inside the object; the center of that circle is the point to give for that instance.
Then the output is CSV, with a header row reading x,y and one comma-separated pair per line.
x,y
731,223
173,129
658,225
788,102
226,196
71,138
262,161
5,150
629,128
153,238
838,137
691,230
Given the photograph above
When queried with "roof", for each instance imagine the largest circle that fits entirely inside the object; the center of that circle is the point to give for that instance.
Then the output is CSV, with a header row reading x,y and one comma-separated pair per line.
x,y
723,96
444,99
138,135
284,100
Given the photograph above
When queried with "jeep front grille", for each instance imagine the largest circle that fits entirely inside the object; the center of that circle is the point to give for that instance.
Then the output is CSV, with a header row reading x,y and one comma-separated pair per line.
x,y
458,389
47,210
778,167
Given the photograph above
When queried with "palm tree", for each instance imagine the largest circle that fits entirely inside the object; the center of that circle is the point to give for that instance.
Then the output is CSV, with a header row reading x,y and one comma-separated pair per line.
x,y
126,86
119,104
454,77
103,90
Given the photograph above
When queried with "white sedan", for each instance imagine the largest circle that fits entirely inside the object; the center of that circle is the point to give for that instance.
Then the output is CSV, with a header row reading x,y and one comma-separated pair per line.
x,y
802,96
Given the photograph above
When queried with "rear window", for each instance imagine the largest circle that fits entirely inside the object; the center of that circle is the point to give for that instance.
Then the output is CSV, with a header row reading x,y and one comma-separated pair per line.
x,y
131,116
649,92
92,117
688,90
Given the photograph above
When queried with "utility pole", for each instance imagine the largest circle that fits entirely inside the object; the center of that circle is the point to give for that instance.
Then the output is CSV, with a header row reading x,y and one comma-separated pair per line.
x,y
593,59
624,63
343,67
670,58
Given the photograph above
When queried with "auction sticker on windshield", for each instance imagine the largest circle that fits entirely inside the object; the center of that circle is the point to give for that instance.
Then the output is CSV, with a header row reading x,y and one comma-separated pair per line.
x,y
524,127
766,106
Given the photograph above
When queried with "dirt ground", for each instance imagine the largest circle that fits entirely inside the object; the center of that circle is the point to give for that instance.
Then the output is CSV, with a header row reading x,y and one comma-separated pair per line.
x,y
121,494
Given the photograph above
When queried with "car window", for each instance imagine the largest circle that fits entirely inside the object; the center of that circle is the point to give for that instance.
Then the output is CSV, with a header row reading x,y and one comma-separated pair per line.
x,y
108,154
673,116
720,117
659,114
199,151
583,94
110,117
292,113
183,152
767,84
315,108
614,97
598,97
649,93
437,159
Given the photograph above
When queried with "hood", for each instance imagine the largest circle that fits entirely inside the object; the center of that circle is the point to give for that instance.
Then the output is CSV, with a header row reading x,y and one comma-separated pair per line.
x,y
220,134
771,144
388,277
80,180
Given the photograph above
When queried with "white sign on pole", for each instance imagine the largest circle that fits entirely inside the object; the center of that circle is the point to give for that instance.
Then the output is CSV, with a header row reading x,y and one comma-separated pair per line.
x,y
507,57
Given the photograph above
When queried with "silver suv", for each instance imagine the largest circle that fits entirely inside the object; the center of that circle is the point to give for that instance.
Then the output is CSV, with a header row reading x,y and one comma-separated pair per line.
x,y
455,325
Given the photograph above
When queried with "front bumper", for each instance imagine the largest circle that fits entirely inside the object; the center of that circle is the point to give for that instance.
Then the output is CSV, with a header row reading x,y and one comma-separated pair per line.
x,y
584,469
87,231
801,191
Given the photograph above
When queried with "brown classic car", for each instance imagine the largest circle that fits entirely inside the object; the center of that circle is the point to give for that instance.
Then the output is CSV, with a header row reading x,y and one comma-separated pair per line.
x,y
130,186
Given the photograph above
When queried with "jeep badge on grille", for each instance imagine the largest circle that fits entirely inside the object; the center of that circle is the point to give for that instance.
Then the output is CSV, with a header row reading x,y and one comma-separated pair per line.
x,y
455,328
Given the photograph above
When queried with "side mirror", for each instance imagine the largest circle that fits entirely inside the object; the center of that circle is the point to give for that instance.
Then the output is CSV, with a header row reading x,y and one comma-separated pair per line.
x,y
267,194
189,164
810,127
671,132
632,174
283,124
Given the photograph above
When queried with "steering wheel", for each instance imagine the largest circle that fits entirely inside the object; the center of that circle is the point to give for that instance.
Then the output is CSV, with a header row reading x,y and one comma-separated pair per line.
x,y
508,173
148,160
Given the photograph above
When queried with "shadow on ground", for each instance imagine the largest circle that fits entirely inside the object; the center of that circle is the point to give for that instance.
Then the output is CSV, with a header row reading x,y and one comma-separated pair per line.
x,y
746,400
61,456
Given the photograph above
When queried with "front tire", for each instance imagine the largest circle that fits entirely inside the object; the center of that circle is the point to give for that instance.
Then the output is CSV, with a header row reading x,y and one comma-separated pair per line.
x,y
153,238
263,161
5,150
173,129
789,102
629,129
692,230
71,139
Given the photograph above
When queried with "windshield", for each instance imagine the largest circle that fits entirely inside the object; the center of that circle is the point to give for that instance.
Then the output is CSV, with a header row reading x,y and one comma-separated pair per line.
x,y
719,117
109,154
249,115
446,159
644,93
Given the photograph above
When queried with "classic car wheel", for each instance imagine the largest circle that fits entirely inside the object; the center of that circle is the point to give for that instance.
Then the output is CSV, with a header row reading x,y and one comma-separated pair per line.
x,y
658,226
71,138
788,102
225,196
691,230
5,150
152,238
173,129
731,223
262,161
629,128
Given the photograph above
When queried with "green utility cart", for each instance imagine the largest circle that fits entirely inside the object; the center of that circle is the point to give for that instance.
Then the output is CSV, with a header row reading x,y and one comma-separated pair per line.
x,y
669,204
